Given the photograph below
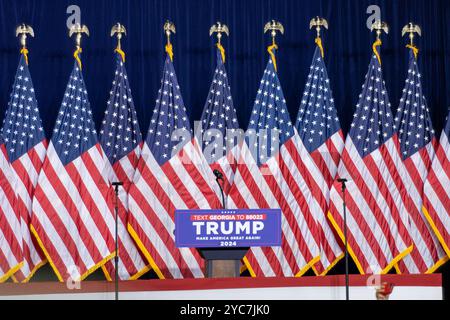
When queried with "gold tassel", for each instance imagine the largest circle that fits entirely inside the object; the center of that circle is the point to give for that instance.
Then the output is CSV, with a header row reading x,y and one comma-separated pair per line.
x,y
222,51
272,55
24,51
169,50
319,44
122,54
75,55
414,49
374,48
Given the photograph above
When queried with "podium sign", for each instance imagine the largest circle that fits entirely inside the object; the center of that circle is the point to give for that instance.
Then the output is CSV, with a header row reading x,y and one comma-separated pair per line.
x,y
227,228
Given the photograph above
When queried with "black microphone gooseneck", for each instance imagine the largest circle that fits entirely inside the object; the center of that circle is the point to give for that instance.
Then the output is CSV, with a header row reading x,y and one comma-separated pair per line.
x,y
343,181
116,185
219,176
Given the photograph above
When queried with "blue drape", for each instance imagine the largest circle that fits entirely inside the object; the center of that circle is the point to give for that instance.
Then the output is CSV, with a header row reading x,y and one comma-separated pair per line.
x,y
347,50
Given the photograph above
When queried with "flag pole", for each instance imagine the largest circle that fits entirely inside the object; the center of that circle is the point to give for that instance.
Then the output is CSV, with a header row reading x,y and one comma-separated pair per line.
x,y
347,285
117,30
116,185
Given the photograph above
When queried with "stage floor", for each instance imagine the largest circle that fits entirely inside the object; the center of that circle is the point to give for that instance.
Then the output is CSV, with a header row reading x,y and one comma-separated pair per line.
x,y
406,287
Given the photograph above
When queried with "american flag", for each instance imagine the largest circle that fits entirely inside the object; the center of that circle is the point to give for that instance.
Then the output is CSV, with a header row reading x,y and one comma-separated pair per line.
x,y
73,204
26,145
267,177
322,137
377,203
121,140
436,204
171,174
417,146
219,114
11,258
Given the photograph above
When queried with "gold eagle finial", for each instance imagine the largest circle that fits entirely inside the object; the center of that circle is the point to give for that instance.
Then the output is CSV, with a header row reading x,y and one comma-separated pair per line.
x,y
219,28
23,30
318,22
411,28
169,28
118,29
78,30
379,26
273,26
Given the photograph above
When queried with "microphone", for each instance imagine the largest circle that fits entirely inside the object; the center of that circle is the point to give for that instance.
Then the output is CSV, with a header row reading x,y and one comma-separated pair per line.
x,y
218,174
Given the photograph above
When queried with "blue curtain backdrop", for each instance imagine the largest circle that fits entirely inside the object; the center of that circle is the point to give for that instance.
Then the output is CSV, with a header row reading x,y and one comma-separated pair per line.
x,y
347,50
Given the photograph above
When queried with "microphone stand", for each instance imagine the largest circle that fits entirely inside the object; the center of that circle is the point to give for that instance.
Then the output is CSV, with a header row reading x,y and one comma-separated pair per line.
x,y
221,192
343,181
116,256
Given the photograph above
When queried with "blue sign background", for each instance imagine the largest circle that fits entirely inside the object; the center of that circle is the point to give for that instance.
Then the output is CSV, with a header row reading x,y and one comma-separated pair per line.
x,y
265,222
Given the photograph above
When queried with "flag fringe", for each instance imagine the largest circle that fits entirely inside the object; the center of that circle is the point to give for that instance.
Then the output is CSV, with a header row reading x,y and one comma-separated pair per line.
x,y
107,275
437,265
432,269
135,276
96,266
41,245
144,250
11,271
249,267
386,269
138,274
399,257
350,250
308,266
331,266
55,269
36,268
436,230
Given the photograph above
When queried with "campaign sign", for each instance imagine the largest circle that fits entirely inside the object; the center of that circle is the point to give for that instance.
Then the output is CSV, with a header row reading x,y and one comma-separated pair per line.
x,y
227,228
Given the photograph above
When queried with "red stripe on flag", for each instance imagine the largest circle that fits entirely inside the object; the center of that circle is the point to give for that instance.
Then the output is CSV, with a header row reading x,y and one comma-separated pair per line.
x,y
403,230
72,210
351,240
155,220
261,201
96,214
146,241
371,202
58,225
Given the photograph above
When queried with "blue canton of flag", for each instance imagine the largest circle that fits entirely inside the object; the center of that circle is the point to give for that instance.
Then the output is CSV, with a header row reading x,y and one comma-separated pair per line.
x,y
120,133
373,123
74,131
22,126
270,113
219,112
169,115
317,118
413,116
